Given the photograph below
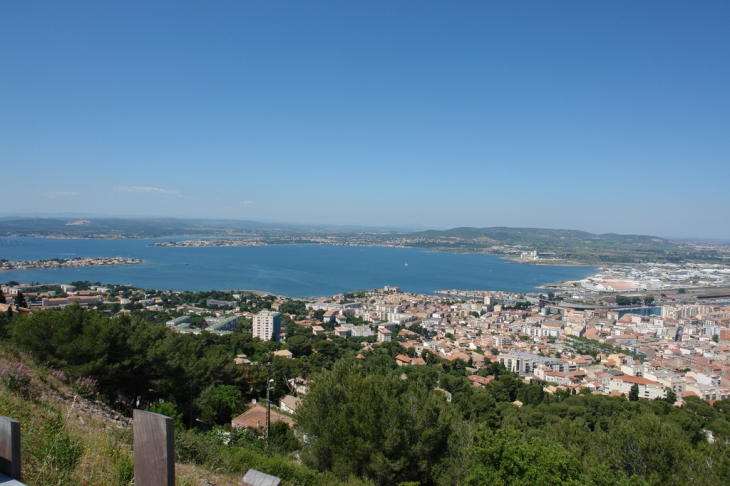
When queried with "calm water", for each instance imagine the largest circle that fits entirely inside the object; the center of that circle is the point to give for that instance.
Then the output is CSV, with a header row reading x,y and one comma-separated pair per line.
x,y
644,311
294,270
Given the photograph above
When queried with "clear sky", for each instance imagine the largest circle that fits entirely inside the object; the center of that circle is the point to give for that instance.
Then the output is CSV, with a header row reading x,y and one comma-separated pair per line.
x,y
600,116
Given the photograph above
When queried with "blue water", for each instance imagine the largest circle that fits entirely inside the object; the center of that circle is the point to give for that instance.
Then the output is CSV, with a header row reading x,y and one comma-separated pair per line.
x,y
644,311
293,270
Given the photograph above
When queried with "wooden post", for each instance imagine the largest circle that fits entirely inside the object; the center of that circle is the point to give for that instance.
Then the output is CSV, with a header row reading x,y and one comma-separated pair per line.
x,y
10,447
154,449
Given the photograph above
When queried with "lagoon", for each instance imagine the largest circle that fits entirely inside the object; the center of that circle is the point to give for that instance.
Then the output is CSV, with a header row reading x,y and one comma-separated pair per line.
x,y
291,270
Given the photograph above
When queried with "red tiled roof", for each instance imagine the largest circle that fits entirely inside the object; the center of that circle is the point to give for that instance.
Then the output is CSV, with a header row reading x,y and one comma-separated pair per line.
x,y
636,380
256,416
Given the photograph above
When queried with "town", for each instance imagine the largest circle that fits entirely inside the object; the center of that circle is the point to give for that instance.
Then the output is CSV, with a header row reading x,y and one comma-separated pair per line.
x,y
652,331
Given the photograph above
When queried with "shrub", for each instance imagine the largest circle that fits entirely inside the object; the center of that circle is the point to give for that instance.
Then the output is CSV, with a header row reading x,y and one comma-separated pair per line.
x,y
62,454
59,374
195,448
124,470
86,387
15,378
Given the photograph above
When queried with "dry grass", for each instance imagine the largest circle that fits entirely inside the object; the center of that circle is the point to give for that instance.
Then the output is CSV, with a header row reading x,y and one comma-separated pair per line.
x,y
60,443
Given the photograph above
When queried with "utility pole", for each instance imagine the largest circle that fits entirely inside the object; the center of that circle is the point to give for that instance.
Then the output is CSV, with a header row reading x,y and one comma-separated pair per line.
x,y
269,386
191,405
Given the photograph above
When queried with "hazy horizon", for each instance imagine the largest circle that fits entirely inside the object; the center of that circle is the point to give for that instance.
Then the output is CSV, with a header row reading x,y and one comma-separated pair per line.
x,y
606,118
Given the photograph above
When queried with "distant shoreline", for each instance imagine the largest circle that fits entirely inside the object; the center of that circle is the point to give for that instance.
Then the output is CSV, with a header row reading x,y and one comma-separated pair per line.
x,y
252,241
55,263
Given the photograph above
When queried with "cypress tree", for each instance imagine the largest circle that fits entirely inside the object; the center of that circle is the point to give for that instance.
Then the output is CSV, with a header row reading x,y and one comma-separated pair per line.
x,y
634,393
20,301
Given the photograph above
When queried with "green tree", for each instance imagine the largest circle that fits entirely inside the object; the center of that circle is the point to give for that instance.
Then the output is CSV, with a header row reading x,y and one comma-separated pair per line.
x,y
299,346
531,394
634,393
509,458
2,299
169,409
219,404
716,338
20,301
281,438
651,448
381,427
622,300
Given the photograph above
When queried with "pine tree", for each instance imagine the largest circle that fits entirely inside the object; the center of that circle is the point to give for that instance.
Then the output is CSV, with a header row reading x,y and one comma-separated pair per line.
x,y
2,299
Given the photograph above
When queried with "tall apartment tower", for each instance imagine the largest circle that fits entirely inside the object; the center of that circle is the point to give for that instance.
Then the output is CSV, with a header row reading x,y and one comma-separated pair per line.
x,y
266,325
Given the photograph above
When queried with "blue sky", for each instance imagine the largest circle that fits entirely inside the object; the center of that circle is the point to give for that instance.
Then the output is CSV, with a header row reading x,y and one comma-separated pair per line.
x,y
600,116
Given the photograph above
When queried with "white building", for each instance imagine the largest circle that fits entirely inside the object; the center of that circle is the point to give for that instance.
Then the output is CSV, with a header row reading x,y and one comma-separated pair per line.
x,y
647,388
266,325
525,363
384,335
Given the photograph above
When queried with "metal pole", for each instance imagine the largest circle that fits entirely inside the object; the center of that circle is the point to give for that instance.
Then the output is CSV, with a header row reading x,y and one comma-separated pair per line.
x,y
268,403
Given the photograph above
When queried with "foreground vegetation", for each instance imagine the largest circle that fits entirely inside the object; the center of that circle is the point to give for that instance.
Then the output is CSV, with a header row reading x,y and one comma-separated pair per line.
x,y
364,420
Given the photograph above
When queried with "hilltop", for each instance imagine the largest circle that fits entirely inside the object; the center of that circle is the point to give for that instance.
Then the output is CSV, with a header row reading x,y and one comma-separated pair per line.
x,y
531,236
124,227
566,246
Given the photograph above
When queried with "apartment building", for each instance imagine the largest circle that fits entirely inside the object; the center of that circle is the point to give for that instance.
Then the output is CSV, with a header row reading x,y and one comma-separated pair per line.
x,y
525,363
267,325
647,388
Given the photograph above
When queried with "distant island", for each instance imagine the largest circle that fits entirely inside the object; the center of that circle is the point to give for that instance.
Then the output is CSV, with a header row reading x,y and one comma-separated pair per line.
x,y
66,263
523,245
203,243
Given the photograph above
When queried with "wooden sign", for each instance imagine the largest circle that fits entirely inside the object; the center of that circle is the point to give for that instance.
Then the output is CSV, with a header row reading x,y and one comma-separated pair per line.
x,y
257,478
10,447
154,449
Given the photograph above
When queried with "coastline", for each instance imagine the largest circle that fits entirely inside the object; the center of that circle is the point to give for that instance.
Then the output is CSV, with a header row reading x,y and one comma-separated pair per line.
x,y
79,262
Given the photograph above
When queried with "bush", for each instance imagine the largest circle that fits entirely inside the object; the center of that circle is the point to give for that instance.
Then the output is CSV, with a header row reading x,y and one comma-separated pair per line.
x,y
60,375
15,378
62,454
86,387
124,470
169,409
195,448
